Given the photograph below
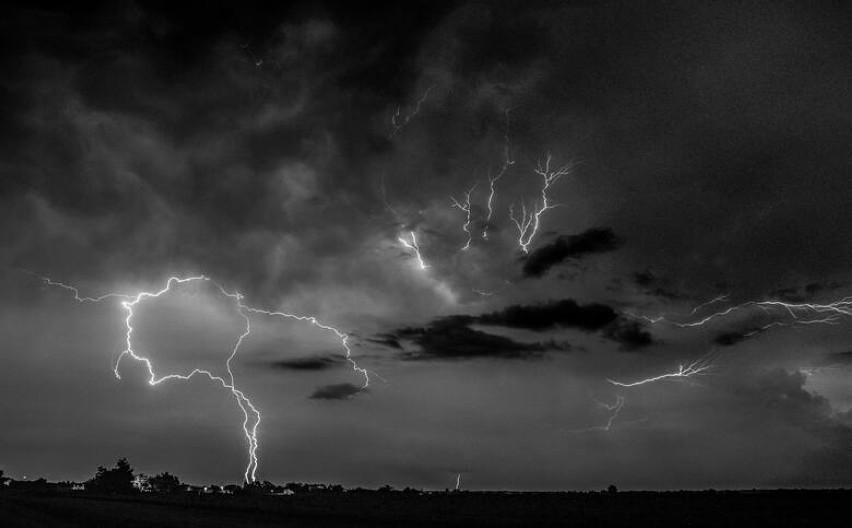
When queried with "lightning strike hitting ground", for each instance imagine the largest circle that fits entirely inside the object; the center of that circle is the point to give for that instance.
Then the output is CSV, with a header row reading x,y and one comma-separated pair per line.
x,y
529,221
398,121
695,368
412,245
251,414
458,481
492,180
465,207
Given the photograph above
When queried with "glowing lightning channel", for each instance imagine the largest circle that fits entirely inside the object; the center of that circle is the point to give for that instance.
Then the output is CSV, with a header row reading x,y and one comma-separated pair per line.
x,y
695,368
613,408
465,207
492,180
799,313
398,121
250,412
717,299
412,245
529,221
458,481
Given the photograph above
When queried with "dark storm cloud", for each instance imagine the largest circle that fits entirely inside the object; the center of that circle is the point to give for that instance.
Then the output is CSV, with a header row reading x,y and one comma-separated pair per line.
x,y
452,338
656,286
199,140
337,391
308,363
388,340
570,247
251,143
629,334
567,313
731,338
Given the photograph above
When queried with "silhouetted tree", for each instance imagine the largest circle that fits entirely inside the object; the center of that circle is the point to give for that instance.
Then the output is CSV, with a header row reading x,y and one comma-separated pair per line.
x,y
116,480
165,483
612,489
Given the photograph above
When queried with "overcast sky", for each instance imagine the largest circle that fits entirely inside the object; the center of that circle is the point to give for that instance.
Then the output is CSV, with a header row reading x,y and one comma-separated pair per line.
x,y
292,152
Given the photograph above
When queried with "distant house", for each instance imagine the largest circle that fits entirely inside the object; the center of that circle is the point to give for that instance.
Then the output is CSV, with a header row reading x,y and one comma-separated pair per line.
x,y
70,486
282,492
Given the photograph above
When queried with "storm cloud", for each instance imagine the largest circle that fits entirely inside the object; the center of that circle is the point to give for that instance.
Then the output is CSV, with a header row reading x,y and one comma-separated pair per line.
x,y
293,152
570,247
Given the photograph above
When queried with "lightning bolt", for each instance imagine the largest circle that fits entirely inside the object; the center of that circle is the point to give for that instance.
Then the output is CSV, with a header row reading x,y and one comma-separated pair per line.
x,y
613,408
465,207
492,180
398,121
458,481
695,368
251,414
530,221
718,298
798,313
412,245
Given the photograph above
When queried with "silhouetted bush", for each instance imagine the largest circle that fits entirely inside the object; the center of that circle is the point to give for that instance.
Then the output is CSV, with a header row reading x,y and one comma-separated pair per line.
x,y
116,480
165,483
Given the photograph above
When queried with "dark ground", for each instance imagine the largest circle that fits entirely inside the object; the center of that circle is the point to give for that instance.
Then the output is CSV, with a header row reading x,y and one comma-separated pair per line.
x,y
762,508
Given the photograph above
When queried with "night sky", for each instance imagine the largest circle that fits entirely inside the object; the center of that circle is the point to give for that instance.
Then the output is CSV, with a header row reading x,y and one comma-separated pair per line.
x,y
290,152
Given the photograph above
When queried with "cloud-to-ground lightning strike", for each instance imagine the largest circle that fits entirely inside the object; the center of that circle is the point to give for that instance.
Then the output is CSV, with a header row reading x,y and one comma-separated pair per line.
x,y
412,245
398,121
250,412
695,368
529,221
458,481
492,180
465,208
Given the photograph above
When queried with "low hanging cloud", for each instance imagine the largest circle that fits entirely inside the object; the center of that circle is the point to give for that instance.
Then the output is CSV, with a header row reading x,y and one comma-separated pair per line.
x,y
657,286
566,313
336,391
307,363
454,338
570,247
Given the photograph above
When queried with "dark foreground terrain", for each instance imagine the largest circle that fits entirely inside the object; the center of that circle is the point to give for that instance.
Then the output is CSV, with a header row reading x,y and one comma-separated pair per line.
x,y
751,508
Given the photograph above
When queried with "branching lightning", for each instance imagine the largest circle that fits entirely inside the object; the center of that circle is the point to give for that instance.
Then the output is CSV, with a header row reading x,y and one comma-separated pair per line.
x,y
613,408
251,414
398,121
796,313
492,180
465,208
529,221
695,368
412,245
718,298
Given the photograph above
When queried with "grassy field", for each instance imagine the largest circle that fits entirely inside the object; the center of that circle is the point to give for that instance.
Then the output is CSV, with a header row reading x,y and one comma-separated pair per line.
x,y
773,508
